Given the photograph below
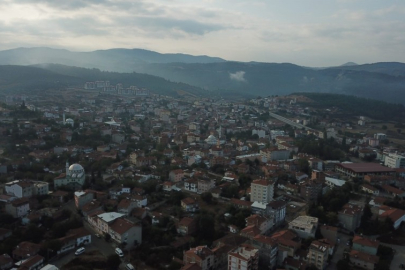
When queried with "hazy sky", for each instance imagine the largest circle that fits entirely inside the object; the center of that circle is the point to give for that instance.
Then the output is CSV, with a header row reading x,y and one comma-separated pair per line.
x,y
305,32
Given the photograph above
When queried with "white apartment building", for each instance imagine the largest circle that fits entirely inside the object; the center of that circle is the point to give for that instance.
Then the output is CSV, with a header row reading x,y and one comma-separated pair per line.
x,y
26,188
262,190
394,161
244,257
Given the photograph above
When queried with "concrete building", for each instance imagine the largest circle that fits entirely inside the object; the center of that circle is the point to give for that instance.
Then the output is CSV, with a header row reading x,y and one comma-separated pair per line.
x,y
201,256
124,231
268,248
350,216
244,257
20,188
262,190
363,260
394,161
365,245
318,254
310,190
18,208
274,154
304,226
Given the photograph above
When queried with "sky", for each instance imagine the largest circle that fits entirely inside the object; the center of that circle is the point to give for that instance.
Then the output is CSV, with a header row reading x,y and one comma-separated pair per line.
x,y
315,33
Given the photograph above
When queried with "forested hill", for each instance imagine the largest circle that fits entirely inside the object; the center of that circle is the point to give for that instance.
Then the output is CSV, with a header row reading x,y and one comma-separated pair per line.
x,y
358,106
57,76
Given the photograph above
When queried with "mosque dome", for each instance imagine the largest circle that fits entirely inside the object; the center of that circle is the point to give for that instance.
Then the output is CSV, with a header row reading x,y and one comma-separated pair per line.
x,y
69,120
211,139
76,170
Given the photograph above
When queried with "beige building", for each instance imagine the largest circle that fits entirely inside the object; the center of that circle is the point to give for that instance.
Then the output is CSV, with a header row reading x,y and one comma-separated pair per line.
x,y
318,254
262,190
304,226
244,257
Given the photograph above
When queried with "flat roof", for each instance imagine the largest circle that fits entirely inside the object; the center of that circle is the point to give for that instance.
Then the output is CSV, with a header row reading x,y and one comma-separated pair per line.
x,y
365,167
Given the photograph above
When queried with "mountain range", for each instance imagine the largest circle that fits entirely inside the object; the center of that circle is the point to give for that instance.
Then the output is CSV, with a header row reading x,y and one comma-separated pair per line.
x,y
204,75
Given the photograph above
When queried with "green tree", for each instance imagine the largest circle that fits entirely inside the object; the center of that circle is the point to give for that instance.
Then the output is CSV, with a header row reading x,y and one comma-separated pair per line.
x,y
207,197
113,262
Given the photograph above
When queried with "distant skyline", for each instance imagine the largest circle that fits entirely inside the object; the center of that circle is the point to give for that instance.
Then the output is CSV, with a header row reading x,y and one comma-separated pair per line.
x,y
314,33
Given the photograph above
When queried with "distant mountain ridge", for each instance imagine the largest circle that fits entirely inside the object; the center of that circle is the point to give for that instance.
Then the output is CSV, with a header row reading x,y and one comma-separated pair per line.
x,y
382,81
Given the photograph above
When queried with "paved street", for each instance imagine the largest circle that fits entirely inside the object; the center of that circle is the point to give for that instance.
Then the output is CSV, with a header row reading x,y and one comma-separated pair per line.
x,y
399,256
338,255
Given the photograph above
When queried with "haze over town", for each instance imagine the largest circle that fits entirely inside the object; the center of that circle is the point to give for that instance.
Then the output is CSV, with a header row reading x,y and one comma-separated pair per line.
x,y
309,33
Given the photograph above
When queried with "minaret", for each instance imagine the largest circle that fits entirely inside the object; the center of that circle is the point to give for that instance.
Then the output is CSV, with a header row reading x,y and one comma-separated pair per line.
x,y
64,120
67,167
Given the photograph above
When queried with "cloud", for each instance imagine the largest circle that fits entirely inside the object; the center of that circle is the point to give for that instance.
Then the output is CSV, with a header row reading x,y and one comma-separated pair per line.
x,y
238,76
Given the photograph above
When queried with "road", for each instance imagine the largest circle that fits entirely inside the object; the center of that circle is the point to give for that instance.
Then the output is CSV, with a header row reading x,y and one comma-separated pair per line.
x,y
339,249
289,122
106,248
399,256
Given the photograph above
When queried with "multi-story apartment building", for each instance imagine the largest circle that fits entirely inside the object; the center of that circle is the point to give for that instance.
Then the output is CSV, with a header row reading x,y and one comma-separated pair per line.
x,y
201,256
20,188
394,161
244,257
262,190
318,254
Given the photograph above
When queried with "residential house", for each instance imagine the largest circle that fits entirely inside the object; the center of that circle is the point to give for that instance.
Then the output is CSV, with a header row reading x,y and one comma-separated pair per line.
x,y
363,260
5,233
33,263
268,248
262,190
20,188
201,256
189,205
330,233
126,232
191,185
187,226
25,250
176,175
18,208
370,189
260,222
396,215
125,206
365,245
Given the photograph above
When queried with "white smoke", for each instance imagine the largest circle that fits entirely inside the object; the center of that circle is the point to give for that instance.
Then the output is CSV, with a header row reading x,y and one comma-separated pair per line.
x,y
238,76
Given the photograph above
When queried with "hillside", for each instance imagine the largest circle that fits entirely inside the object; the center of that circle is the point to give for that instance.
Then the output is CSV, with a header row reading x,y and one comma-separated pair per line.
x,y
57,76
381,81
374,109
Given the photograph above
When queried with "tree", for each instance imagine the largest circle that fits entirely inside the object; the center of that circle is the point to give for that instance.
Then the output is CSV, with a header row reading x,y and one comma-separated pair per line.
x,y
113,262
207,197
342,265
107,237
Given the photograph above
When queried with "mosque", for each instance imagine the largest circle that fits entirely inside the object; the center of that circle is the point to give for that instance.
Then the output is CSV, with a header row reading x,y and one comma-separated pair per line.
x,y
73,178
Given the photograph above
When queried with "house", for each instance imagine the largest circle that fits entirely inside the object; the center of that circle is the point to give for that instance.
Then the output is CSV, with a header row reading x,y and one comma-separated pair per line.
x,y
74,238
370,189
365,245
304,226
396,215
277,210
350,216
189,205
103,220
268,249
18,208
363,260
91,207
260,222
204,185
187,226
82,198
377,201
25,250
191,185
201,256
126,232
6,262
20,188
125,206
394,191
241,204
169,186
33,263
